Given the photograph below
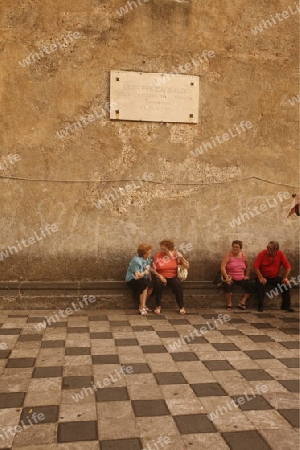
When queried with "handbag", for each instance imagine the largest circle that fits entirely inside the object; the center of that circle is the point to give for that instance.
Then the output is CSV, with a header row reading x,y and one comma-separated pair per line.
x,y
182,273
218,280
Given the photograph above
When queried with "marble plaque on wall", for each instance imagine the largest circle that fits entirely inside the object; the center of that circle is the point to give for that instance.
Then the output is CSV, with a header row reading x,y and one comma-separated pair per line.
x,y
154,97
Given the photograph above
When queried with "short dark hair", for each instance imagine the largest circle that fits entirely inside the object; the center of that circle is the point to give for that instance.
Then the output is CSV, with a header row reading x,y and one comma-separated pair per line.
x,y
240,243
167,243
275,243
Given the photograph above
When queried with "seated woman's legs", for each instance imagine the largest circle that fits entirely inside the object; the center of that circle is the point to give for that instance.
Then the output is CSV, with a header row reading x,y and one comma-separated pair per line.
x,y
244,286
176,286
228,294
140,289
249,287
143,299
158,285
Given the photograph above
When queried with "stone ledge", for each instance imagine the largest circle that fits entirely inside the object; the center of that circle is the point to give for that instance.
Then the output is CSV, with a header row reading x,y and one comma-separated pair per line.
x,y
89,285
114,295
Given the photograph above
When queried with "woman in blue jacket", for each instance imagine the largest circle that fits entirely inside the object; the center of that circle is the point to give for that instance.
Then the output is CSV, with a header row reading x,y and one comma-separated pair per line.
x,y
138,276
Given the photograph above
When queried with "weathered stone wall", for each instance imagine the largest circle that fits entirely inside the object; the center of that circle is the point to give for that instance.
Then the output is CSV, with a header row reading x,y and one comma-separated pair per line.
x,y
192,199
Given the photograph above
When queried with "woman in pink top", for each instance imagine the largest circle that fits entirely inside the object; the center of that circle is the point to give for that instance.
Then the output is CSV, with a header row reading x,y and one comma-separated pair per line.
x,y
235,269
164,267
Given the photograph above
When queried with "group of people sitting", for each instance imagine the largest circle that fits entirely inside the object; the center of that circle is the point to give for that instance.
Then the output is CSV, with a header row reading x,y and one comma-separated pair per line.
x,y
235,270
145,274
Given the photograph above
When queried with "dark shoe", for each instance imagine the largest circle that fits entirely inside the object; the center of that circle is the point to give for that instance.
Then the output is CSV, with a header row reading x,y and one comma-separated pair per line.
x,y
260,309
288,309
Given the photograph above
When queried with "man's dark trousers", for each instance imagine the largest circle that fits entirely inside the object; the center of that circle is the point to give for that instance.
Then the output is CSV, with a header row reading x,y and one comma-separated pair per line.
x,y
282,289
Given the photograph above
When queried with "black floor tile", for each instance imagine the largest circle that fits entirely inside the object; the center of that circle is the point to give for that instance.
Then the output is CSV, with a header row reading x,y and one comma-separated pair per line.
x,y
53,344
77,351
259,354
290,385
264,315
149,408
198,340
35,415
184,356
12,400
208,389
30,337
126,342
17,316
231,332
77,431
249,402
139,368
291,344
255,375
4,354
9,331
218,365
237,320
105,359
121,444
35,319
101,335
226,347
245,440
291,331
290,362
47,372
142,328
154,349
291,415
179,321
262,325
194,424
20,363
77,382
290,319
97,318
260,338
210,316
58,325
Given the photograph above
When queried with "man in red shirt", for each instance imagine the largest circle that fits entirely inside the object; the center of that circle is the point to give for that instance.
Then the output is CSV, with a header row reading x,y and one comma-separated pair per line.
x,y
267,267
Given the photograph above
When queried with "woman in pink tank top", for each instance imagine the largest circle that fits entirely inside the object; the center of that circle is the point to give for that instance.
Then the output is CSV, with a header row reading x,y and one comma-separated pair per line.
x,y
235,270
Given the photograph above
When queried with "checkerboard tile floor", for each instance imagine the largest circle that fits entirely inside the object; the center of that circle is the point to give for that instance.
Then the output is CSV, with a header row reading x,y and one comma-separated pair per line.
x,y
119,381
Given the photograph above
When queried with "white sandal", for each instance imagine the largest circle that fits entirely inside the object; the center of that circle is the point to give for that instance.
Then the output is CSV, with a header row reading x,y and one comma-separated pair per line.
x,y
182,311
143,312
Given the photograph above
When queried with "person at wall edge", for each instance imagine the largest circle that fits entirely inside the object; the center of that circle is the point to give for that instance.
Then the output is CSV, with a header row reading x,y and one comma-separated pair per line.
x,y
267,267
